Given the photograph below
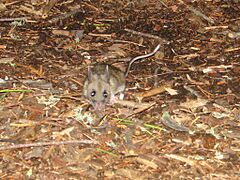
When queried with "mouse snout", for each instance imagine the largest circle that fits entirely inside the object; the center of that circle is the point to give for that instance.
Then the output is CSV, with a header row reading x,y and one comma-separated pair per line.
x,y
98,105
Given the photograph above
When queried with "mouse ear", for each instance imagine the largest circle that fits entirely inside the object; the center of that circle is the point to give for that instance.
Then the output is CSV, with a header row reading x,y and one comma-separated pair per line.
x,y
90,74
107,74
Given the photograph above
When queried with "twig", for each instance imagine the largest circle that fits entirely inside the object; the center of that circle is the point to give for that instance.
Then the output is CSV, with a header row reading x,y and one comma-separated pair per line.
x,y
152,92
47,8
232,49
187,56
191,90
198,13
186,160
206,93
216,27
29,10
57,143
147,35
14,19
123,41
132,104
3,46
161,1
171,123
7,140
156,77
6,60
233,35
139,107
91,6
143,108
38,83
101,35
66,15
214,69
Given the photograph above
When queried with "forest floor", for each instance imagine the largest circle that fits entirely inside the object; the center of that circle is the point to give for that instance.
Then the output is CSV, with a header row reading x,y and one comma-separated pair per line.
x,y
180,118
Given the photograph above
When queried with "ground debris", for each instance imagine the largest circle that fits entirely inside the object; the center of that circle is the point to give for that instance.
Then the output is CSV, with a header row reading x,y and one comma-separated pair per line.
x,y
180,117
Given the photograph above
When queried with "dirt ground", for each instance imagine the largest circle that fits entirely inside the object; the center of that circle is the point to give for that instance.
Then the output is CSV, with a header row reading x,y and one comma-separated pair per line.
x,y
180,118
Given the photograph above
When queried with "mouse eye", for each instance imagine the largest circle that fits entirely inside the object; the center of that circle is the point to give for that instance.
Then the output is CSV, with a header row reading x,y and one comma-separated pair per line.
x,y
105,94
93,93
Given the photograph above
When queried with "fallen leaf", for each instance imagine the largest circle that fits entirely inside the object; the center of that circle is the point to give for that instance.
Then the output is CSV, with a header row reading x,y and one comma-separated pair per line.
x,y
194,103
169,122
6,60
171,91
129,173
34,153
146,162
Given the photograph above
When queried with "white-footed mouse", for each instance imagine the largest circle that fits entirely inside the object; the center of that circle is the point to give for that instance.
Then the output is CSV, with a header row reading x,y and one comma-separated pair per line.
x,y
104,81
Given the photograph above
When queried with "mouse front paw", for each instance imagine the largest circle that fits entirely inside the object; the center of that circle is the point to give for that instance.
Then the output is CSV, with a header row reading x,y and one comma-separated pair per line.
x,y
121,96
115,98
112,99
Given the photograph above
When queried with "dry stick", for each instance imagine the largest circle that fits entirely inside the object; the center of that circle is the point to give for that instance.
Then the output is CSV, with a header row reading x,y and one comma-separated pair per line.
x,y
3,46
47,8
206,93
198,13
66,15
100,35
139,107
161,1
122,41
91,6
216,27
152,92
139,110
30,10
147,35
233,35
190,162
57,143
232,49
14,19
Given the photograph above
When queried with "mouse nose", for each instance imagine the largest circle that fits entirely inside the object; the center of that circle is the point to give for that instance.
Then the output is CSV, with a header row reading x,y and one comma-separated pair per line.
x,y
98,105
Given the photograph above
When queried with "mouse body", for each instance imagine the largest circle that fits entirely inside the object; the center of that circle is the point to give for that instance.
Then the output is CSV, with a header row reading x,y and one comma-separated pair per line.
x,y
104,82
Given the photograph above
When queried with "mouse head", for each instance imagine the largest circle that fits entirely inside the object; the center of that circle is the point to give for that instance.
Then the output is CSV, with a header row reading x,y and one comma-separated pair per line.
x,y
98,88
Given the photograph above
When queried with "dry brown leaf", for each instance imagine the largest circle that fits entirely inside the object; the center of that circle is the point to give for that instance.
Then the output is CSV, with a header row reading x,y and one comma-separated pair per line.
x,y
129,173
153,91
194,103
171,91
147,162
116,50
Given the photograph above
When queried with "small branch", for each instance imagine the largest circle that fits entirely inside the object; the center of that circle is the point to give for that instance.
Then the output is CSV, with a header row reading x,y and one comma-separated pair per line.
x,y
47,8
3,46
163,41
152,92
91,6
198,13
232,49
188,161
139,107
18,146
101,35
123,41
216,27
233,35
14,19
187,56
30,10
66,15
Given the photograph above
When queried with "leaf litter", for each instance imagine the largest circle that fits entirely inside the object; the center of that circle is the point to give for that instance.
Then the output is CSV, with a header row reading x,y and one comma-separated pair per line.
x,y
181,114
